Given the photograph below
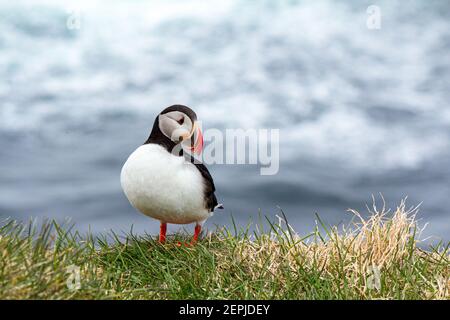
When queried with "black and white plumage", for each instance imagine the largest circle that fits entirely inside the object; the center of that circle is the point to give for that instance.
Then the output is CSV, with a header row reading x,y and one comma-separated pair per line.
x,y
162,180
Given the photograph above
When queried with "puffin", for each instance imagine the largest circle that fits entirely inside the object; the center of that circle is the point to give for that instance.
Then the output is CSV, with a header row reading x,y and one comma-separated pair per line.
x,y
164,180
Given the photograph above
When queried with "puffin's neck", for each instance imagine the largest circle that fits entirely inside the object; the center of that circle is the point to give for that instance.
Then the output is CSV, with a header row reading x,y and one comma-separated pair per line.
x,y
157,137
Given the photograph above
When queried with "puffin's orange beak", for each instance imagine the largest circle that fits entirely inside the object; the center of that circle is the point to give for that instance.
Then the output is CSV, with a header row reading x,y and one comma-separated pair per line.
x,y
197,145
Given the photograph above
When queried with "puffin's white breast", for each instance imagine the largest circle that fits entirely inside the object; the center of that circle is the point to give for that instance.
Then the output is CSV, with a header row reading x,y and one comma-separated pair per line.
x,y
164,186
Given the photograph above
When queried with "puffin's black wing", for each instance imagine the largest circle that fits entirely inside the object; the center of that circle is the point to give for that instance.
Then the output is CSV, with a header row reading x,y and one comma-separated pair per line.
x,y
210,197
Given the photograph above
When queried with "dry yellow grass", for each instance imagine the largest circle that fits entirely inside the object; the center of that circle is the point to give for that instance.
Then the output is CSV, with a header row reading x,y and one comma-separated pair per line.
x,y
359,258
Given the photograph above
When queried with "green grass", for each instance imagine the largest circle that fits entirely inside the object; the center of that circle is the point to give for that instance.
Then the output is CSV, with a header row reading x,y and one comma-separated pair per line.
x,y
374,258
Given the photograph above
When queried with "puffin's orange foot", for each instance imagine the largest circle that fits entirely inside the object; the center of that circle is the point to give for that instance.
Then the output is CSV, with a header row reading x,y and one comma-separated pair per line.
x,y
186,244
198,229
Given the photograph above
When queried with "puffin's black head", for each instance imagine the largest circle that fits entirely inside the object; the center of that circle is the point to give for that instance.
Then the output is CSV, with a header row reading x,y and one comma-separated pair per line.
x,y
180,110
174,125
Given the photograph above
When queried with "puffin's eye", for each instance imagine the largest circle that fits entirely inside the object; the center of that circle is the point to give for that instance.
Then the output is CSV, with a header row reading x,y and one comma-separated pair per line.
x,y
181,121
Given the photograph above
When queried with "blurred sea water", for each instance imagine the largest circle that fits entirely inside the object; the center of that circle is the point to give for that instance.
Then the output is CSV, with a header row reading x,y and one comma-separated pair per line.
x,y
360,111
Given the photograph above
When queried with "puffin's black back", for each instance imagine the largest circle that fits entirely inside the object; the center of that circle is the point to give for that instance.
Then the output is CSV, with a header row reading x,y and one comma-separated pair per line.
x,y
210,197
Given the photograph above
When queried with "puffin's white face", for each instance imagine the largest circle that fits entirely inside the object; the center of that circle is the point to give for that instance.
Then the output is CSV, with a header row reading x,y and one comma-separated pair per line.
x,y
178,127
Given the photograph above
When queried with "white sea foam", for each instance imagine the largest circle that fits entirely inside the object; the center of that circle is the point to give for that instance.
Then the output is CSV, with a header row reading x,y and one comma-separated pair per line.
x,y
372,99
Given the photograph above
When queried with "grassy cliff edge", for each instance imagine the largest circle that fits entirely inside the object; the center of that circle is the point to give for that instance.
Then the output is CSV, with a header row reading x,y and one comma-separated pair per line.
x,y
374,258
